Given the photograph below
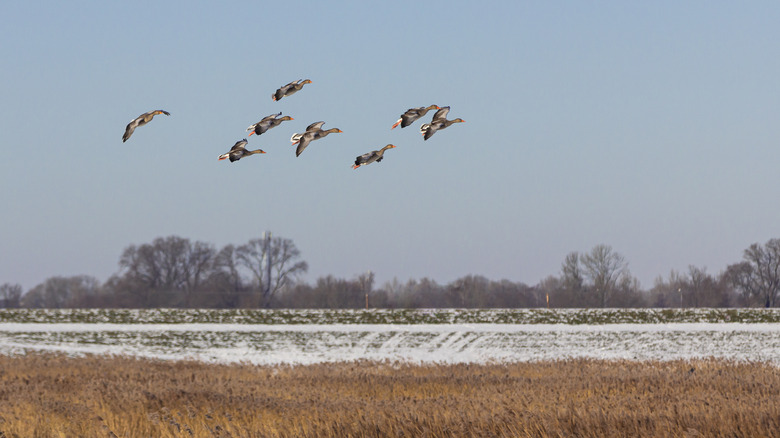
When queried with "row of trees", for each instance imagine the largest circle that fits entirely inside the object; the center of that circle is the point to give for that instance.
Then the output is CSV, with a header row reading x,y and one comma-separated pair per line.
x,y
176,272
265,272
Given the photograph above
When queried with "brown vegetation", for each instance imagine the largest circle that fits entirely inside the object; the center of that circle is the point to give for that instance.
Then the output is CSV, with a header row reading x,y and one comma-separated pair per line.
x,y
51,395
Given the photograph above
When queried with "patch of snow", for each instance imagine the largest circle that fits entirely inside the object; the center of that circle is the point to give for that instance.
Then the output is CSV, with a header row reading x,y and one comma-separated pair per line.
x,y
443,343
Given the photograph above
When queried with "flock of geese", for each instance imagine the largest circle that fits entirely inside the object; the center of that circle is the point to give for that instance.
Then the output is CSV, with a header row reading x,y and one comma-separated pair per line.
x,y
313,131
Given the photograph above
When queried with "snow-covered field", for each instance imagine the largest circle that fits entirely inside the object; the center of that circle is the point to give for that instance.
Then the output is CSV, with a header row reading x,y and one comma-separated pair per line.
x,y
306,343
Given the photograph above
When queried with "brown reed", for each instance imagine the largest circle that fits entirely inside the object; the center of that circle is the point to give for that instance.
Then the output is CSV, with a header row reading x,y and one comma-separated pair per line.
x,y
49,395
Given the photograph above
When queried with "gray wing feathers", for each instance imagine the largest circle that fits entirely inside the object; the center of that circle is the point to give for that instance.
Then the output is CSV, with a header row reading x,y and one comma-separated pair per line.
x,y
441,115
315,126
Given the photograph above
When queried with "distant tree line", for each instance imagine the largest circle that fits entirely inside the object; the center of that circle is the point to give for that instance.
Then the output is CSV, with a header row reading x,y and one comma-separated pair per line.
x,y
265,273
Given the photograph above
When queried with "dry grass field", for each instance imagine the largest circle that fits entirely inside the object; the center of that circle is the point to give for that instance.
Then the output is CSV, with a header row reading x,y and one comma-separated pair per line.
x,y
44,395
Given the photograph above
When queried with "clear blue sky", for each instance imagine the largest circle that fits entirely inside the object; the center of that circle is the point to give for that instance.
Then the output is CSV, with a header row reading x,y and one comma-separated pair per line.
x,y
651,127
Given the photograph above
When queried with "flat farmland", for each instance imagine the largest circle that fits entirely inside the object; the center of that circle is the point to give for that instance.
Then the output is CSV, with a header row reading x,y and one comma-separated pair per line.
x,y
431,336
427,373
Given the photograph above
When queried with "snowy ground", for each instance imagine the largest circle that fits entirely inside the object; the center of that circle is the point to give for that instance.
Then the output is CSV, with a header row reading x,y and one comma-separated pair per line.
x,y
445,343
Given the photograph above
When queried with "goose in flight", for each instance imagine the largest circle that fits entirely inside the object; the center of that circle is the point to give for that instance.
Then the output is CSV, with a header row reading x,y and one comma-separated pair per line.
x,y
439,122
141,121
413,114
239,151
316,126
290,89
311,135
370,157
267,123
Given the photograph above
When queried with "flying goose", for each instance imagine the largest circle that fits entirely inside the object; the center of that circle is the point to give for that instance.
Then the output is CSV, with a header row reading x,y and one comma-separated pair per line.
x,y
290,89
239,151
311,135
316,126
439,122
267,123
141,121
413,114
370,157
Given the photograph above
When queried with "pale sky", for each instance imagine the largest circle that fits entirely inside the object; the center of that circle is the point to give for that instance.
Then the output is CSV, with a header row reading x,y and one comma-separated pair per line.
x,y
647,126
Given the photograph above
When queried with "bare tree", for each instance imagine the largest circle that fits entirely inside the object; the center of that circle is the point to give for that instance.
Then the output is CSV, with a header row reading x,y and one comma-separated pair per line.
x,y
10,295
423,293
198,261
63,292
393,287
339,293
225,278
740,275
698,285
667,293
572,272
508,294
274,263
171,266
467,292
758,276
696,288
366,282
606,270
573,292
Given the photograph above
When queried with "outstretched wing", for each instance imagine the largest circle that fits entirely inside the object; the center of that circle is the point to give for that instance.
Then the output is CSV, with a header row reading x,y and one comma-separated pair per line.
x,y
413,111
282,91
441,114
363,159
315,126
129,129
408,118
271,117
306,138
428,129
140,121
239,145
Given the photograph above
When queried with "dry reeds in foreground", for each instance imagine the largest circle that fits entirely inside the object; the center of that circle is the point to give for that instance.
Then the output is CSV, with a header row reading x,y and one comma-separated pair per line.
x,y
47,395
